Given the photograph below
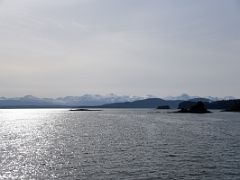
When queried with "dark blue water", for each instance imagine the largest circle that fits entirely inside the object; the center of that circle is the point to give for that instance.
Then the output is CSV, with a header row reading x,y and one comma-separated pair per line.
x,y
119,144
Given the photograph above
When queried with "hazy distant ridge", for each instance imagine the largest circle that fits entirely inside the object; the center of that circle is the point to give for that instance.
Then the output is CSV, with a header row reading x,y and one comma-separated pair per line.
x,y
109,101
68,101
145,103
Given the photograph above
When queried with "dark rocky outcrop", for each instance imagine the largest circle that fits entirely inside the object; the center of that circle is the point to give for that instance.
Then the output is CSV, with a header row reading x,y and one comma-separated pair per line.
x,y
235,107
85,110
224,104
163,107
198,107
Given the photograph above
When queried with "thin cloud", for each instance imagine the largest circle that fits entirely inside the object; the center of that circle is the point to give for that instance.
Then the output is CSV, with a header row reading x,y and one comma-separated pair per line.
x,y
137,47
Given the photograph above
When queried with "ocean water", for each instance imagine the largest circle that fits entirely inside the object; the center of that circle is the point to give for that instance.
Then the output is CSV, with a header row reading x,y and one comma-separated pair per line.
x,y
118,144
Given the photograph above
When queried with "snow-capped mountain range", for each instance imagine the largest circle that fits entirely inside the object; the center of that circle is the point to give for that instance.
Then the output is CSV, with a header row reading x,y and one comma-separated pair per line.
x,y
89,100
186,97
84,100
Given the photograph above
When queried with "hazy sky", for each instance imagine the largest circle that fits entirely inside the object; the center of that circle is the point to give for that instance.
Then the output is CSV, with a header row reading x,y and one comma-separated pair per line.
x,y
55,48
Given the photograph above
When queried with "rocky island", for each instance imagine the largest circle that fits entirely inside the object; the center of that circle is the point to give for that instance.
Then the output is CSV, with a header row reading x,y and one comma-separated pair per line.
x,y
85,110
199,108
163,107
235,107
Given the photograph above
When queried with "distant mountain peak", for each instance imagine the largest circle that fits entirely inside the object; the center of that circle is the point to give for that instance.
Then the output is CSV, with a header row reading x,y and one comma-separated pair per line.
x,y
30,97
183,97
96,100
3,98
186,97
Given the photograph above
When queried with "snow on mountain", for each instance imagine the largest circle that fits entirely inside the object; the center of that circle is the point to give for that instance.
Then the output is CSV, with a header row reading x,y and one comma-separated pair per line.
x,y
186,97
183,97
3,98
91,100
88,100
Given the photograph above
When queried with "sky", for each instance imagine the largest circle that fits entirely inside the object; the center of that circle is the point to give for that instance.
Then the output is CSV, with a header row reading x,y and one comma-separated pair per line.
x,y
52,48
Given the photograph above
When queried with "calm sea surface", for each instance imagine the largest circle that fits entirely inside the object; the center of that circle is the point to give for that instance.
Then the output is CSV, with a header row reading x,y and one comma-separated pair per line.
x,y
118,144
